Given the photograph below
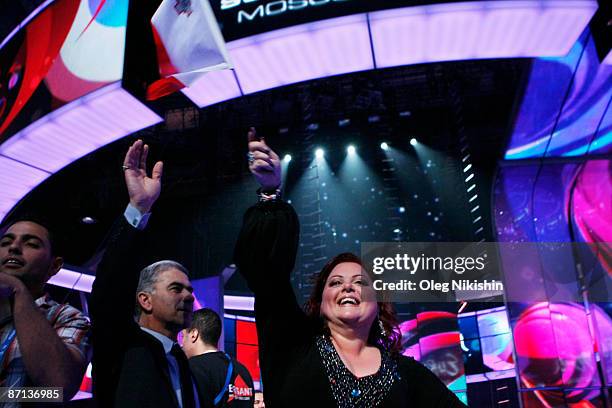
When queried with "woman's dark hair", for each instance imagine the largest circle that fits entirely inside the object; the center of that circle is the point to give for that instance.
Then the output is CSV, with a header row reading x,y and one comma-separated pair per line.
x,y
386,312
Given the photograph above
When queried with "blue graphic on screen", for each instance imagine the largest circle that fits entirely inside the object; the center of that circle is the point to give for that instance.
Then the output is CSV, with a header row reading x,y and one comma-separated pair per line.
x,y
566,108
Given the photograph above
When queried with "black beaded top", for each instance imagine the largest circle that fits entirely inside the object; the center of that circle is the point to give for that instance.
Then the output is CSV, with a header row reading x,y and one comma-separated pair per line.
x,y
350,391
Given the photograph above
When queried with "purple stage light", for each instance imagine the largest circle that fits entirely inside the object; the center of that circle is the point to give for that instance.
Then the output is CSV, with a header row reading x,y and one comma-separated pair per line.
x,y
409,35
214,87
17,181
303,52
67,278
239,302
79,128
472,30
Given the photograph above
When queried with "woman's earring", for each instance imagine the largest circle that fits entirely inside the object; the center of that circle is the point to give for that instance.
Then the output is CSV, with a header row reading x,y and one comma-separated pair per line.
x,y
383,333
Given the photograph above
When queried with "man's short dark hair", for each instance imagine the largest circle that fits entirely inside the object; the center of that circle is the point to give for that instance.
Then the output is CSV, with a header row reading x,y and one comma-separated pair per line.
x,y
208,324
55,241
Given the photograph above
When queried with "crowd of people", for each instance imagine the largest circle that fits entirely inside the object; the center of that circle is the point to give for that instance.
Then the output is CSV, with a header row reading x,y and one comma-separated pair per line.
x,y
341,350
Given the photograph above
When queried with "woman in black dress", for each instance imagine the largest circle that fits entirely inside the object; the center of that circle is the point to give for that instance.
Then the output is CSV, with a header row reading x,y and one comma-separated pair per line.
x,y
343,351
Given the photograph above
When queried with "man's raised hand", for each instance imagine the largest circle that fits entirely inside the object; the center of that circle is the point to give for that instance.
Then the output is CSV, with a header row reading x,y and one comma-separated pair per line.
x,y
142,189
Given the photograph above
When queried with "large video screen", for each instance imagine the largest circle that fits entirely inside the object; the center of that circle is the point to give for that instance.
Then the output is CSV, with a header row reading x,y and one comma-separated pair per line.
x,y
241,343
566,107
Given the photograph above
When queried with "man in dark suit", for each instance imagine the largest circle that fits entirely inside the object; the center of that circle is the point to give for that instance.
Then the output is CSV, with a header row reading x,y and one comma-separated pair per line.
x,y
137,362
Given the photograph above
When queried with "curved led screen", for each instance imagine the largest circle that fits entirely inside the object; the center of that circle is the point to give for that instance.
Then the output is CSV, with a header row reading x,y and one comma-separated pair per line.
x,y
447,31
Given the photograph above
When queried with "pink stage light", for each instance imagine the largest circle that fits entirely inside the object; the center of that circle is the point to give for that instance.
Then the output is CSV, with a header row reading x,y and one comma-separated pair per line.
x,y
78,129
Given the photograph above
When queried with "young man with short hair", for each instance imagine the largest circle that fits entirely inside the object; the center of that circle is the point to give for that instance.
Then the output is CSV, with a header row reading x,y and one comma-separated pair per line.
x,y
221,380
42,343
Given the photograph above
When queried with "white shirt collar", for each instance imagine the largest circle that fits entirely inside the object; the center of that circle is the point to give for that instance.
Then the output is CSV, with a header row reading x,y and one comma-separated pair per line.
x,y
165,341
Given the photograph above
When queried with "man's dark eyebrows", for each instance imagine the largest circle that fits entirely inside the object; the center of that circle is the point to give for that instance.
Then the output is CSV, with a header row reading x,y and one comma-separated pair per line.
x,y
27,237
179,284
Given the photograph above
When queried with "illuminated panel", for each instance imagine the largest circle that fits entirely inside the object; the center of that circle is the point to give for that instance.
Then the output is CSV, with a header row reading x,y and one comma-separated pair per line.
x,y
475,30
563,112
591,210
434,340
409,35
547,356
17,181
66,278
586,104
249,356
494,323
603,140
79,128
214,87
246,332
302,52
239,302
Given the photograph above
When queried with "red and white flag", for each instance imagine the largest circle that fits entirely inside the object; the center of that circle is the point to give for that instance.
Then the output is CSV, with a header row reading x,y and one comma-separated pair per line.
x,y
189,43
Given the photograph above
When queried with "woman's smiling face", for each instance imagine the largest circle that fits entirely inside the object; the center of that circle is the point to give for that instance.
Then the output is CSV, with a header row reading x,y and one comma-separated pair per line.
x,y
348,297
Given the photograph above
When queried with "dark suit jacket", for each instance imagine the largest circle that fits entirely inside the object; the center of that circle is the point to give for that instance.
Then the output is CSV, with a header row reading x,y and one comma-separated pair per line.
x,y
130,368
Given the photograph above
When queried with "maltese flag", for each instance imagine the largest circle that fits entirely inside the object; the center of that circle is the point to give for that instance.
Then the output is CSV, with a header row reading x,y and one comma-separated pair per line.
x,y
189,43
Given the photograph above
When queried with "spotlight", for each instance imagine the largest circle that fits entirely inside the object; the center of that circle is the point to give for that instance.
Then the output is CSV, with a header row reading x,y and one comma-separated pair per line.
x,y
287,158
344,122
88,220
413,141
373,119
351,150
319,153
402,209
384,146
